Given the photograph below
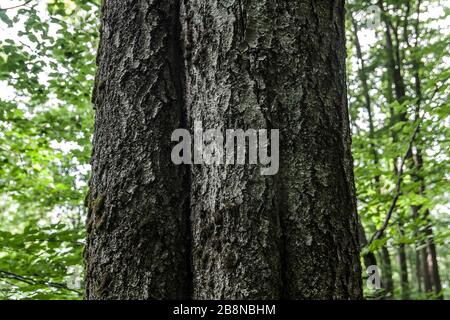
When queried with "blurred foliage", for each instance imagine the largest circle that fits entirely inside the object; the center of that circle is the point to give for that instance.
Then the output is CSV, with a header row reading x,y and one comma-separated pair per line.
x,y
420,49
47,67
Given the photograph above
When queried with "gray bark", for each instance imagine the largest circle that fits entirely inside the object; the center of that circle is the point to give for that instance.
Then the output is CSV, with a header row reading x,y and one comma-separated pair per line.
x,y
137,243
266,64
247,64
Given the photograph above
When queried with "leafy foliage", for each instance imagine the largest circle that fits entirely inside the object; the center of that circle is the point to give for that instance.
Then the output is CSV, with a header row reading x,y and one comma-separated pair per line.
x,y
384,122
47,66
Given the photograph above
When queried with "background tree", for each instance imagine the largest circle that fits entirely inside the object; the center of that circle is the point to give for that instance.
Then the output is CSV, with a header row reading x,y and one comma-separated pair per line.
x,y
405,53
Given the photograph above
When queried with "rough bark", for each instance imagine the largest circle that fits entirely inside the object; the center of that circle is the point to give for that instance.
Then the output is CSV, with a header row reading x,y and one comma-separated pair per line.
x,y
137,236
269,64
247,64
235,221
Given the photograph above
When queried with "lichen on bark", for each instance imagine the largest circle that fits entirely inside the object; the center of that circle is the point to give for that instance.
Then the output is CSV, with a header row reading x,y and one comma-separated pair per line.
x,y
222,232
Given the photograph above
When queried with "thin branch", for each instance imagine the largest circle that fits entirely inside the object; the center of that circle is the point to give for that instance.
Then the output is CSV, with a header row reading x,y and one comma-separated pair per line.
x,y
31,281
379,232
18,6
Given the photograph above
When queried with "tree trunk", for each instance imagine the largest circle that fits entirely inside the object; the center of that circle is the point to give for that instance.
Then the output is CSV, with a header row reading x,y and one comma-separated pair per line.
x,y
434,266
247,64
414,262
369,257
428,270
418,163
404,283
388,282
426,274
262,64
138,242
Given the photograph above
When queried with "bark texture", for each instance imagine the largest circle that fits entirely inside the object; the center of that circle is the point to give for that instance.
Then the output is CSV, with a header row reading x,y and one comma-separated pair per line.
x,y
254,64
235,221
138,201
247,64
308,104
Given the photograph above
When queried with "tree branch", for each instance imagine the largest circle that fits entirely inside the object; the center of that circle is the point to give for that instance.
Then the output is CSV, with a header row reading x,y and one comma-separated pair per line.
x,y
18,6
379,233
28,280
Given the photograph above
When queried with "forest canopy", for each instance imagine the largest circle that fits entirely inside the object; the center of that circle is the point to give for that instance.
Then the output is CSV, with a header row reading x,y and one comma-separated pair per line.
x,y
398,75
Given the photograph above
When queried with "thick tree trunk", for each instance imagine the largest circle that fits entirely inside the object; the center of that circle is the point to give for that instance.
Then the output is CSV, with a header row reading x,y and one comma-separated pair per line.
x,y
235,215
247,64
263,64
137,245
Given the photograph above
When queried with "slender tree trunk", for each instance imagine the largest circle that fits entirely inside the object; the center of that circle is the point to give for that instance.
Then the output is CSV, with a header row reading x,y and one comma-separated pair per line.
x,y
396,79
404,283
428,269
388,282
394,66
414,262
417,253
418,162
138,242
430,266
369,257
434,266
427,280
